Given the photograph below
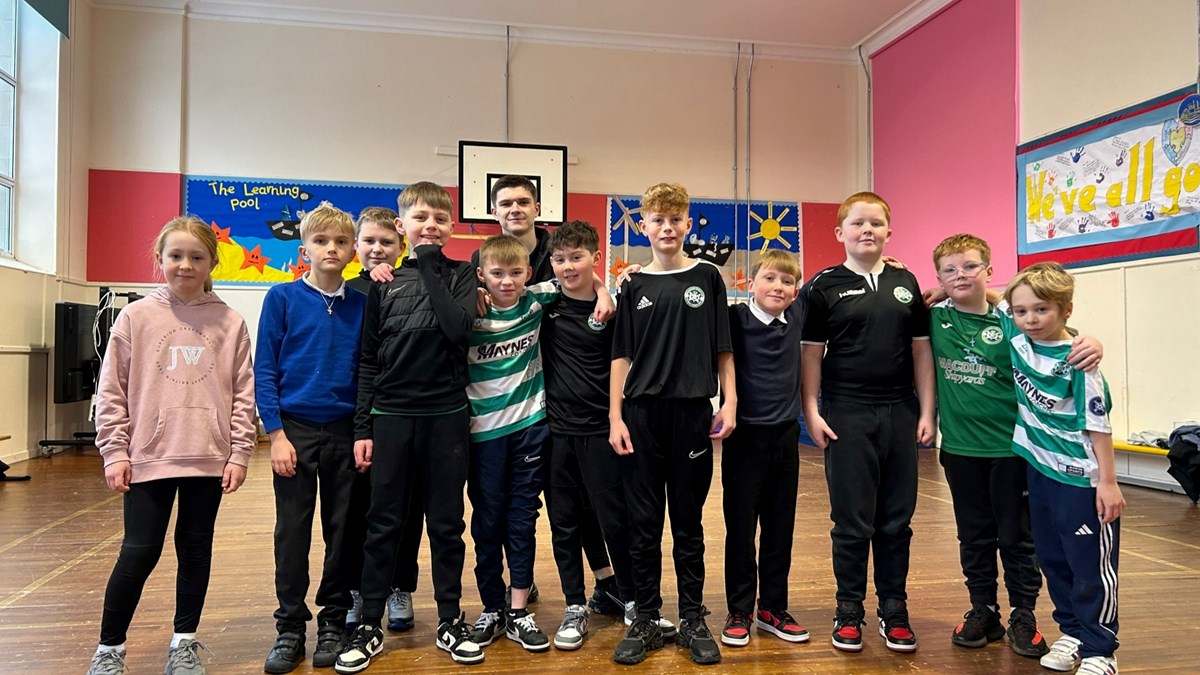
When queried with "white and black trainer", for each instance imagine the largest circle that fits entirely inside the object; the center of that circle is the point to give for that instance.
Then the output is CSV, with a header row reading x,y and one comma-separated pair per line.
x,y
574,628
365,643
523,630
454,637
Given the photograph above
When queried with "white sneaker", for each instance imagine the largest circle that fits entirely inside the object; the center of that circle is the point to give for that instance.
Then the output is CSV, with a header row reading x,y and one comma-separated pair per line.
x,y
454,637
664,624
1063,655
1098,665
573,629
488,627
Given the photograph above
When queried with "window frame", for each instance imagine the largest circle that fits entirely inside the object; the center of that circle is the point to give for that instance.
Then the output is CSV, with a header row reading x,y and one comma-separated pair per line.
x,y
8,238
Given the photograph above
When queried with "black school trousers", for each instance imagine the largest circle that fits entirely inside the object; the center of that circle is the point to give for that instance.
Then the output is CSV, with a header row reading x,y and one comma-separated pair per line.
x,y
147,509
324,464
583,480
991,512
669,471
871,471
760,473
407,570
427,453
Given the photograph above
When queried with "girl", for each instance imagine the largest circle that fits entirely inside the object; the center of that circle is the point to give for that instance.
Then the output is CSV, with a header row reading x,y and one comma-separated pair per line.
x,y
174,415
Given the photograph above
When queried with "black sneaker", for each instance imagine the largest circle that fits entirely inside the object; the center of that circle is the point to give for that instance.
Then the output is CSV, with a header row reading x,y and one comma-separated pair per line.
x,y
365,644
454,637
1023,634
695,636
847,626
287,653
488,627
980,626
605,599
523,630
643,636
533,596
894,626
331,640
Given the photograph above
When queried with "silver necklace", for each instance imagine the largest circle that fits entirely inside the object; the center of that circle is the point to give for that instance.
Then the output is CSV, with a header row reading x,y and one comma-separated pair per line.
x,y
329,300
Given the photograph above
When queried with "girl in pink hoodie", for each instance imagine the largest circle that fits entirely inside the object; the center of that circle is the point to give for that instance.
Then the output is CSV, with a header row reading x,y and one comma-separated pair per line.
x,y
174,416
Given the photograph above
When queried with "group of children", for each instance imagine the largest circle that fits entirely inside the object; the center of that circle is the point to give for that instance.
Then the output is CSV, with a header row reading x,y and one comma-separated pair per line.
x,y
489,375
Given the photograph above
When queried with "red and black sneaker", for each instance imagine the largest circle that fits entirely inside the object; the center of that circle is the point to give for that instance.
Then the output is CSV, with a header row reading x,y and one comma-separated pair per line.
x,y
894,626
737,629
847,627
781,624
1024,636
980,626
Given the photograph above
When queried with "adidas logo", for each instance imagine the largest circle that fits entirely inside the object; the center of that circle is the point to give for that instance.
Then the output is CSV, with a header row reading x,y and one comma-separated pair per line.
x,y
1084,531
644,303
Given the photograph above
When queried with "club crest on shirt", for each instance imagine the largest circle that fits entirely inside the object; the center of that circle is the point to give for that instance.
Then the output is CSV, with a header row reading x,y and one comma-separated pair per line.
x,y
693,296
1096,405
992,335
594,324
1061,369
902,294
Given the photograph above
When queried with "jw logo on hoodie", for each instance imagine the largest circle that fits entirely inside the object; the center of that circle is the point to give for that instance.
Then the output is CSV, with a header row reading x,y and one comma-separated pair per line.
x,y
191,356
186,363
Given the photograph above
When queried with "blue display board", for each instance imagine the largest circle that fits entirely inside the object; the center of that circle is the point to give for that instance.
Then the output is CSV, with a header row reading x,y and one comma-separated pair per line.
x,y
257,220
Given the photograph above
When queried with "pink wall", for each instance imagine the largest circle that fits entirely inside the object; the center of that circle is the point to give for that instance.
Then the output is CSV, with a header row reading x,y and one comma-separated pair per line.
x,y
945,133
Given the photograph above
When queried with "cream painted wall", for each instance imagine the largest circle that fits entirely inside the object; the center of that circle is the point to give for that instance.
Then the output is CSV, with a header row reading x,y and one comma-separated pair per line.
x,y
297,101
1146,313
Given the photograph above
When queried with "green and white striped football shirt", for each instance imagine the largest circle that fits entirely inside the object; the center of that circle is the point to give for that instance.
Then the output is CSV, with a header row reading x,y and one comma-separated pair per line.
x,y
504,366
1056,407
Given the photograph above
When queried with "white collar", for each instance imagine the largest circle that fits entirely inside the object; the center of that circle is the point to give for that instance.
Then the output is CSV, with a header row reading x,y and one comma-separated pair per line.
x,y
763,315
339,293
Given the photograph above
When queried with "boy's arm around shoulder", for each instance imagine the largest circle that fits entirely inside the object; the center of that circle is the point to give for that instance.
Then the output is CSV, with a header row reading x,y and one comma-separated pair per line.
x,y
452,295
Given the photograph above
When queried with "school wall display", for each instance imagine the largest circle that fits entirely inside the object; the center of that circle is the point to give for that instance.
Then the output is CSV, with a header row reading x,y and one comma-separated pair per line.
x,y
731,235
257,221
1121,187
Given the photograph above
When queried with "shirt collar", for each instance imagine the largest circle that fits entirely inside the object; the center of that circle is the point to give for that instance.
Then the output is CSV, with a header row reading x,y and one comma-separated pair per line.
x,y
339,293
763,315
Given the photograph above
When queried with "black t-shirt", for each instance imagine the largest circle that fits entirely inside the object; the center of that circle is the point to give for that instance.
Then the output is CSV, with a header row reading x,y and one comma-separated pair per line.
x,y
766,361
539,258
868,327
671,325
576,361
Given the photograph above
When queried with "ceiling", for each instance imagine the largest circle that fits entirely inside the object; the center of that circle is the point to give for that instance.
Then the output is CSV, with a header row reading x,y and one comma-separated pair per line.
x,y
818,28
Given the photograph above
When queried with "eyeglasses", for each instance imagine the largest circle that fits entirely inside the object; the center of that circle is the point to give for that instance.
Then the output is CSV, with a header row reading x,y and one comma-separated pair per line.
x,y
970,271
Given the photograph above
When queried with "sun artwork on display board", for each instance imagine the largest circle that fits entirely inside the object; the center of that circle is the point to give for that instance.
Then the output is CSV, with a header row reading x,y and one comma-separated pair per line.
x,y
770,228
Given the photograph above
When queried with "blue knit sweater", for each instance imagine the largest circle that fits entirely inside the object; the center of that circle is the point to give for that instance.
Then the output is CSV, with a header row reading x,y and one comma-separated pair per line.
x,y
306,358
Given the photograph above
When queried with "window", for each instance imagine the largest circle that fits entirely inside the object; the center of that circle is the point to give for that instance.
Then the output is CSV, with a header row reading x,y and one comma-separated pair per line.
x,y
8,120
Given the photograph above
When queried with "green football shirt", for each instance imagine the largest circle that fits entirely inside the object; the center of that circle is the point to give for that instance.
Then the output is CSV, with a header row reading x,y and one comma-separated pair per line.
x,y
976,407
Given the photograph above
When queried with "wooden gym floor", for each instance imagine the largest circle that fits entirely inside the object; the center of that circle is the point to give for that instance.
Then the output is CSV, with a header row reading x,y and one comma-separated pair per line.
x,y
60,533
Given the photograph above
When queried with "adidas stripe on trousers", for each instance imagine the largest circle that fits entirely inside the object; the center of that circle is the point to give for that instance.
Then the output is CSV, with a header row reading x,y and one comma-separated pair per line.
x,y
1078,555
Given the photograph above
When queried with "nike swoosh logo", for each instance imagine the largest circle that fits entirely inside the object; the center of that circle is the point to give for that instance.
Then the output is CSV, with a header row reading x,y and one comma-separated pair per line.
x,y
531,460
694,455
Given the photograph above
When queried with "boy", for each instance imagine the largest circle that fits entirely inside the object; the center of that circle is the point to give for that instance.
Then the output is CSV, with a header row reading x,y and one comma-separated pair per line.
x,y
670,348
986,478
379,244
760,461
582,470
411,421
305,383
515,205
866,348
508,432
1075,503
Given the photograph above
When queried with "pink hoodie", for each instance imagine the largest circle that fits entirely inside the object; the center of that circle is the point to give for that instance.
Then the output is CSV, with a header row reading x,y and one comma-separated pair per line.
x,y
176,391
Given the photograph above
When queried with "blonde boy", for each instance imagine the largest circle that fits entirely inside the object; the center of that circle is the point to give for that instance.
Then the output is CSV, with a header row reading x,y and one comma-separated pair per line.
x,y
308,412
670,348
1075,504
760,461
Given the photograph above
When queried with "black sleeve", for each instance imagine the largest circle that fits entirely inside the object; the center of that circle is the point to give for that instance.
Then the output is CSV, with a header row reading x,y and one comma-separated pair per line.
x,y
721,314
368,364
816,315
454,307
919,318
622,344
